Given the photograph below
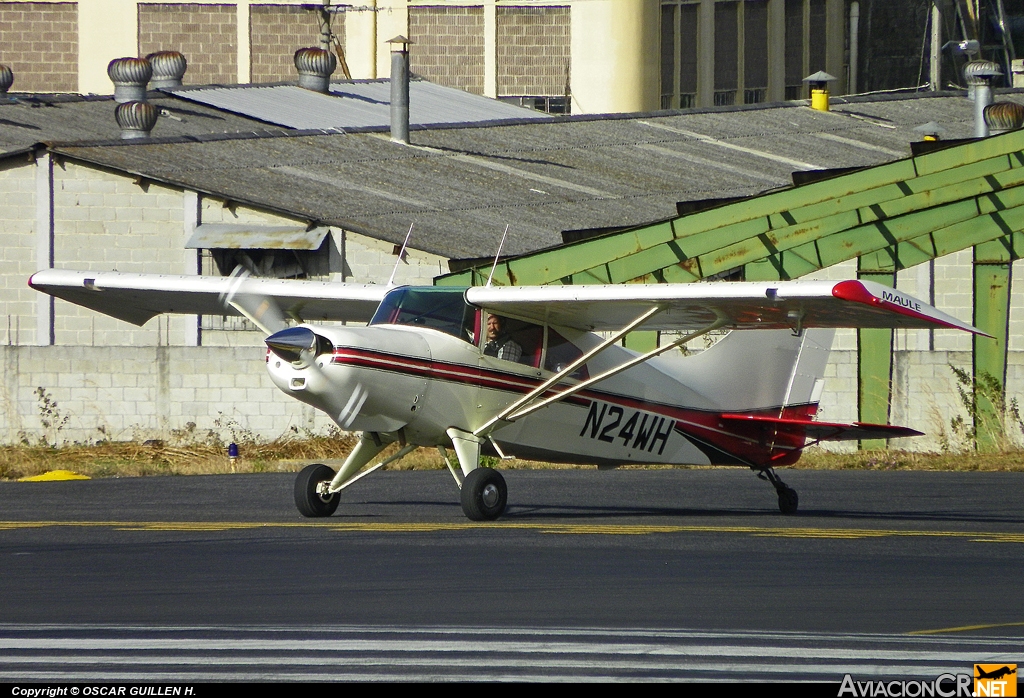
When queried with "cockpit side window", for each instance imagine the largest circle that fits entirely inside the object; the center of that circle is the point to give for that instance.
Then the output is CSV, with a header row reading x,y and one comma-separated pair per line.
x,y
561,352
442,309
513,340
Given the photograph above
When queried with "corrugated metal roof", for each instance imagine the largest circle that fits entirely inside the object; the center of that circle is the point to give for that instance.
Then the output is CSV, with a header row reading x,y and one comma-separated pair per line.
x,y
461,186
357,104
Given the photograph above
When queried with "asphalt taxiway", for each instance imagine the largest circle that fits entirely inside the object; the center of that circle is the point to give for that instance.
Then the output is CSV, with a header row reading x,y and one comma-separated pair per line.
x,y
914,557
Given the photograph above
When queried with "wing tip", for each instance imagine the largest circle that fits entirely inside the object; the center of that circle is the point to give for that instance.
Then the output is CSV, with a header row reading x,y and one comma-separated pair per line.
x,y
856,291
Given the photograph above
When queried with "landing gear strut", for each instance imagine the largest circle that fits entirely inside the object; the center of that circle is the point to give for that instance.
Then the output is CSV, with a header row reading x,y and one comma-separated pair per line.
x,y
484,494
788,499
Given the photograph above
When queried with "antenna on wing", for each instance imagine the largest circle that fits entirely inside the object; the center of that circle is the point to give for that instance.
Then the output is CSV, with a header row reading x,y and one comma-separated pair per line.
x,y
495,265
401,256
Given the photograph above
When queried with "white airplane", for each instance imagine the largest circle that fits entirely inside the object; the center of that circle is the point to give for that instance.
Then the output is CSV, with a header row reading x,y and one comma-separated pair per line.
x,y
519,371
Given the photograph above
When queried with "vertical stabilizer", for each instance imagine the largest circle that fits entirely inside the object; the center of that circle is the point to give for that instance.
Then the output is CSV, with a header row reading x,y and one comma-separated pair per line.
x,y
762,370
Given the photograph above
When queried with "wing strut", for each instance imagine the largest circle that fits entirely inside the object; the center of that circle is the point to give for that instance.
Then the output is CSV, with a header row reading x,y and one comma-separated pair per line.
x,y
488,427
522,407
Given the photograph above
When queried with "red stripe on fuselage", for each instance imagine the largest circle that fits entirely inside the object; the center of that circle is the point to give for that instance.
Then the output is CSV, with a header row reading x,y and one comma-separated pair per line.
x,y
750,445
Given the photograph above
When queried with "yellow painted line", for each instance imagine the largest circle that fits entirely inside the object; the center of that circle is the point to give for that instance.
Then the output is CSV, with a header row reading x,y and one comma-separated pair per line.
x,y
55,476
965,628
549,528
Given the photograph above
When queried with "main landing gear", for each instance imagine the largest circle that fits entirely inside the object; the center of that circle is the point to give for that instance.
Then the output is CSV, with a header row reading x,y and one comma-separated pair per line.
x,y
483,490
484,494
788,499
311,495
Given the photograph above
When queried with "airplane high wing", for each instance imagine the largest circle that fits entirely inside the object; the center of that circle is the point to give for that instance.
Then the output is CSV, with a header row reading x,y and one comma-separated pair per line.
x,y
744,305
138,298
519,370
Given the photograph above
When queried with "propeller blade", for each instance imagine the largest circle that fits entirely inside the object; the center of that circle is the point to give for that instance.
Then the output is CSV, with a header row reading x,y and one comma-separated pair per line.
x,y
262,311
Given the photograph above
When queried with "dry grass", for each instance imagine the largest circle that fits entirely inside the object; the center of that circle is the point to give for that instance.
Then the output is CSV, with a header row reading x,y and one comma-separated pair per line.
x,y
134,459
1009,460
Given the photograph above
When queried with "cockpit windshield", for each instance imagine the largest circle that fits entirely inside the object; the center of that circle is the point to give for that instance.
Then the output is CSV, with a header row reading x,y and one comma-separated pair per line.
x,y
442,309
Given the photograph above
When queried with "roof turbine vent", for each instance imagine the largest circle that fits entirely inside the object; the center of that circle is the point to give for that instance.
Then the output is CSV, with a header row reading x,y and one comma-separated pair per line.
x,y
136,119
979,73
130,76
168,68
1001,117
6,79
315,66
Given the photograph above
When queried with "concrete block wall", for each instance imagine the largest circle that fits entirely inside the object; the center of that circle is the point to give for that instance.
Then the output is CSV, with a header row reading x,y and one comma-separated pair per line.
x,y
533,47
39,41
276,32
206,34
17,253
126,393
107,222
448,46
146,392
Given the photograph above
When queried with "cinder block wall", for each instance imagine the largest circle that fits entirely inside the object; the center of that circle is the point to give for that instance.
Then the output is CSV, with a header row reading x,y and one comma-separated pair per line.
x,y
124,393
275,32
146,392
39,41
17,253
449,46
206,34
533,50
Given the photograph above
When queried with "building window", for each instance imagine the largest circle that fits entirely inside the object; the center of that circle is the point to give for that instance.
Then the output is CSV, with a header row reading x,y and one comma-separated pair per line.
x,y
725,98
755,96
679,54
549,105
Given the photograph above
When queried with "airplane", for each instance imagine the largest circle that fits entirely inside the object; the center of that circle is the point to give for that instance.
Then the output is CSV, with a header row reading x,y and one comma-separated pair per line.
x,y
995,673
424,372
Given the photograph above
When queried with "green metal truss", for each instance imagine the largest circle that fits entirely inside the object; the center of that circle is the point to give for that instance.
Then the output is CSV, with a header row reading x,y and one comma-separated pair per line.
x,y
888,217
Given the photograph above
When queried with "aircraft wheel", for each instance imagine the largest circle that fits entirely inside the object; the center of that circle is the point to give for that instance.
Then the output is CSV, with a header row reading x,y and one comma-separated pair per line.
x,y
309,502
788,500
484,495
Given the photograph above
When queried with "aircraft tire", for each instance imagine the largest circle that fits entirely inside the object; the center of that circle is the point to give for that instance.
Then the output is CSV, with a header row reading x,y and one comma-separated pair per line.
x,y
307,500
788,500
484,495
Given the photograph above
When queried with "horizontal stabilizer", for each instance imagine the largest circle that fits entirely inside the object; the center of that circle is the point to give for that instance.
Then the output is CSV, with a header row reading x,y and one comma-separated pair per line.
x,y
821,431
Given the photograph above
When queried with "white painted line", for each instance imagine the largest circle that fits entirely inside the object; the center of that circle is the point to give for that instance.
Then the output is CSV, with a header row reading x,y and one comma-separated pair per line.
x,y
499,647
861,144
707,162
799,164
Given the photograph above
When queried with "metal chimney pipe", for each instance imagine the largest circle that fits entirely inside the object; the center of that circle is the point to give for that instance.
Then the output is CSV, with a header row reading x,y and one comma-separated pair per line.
x,y
400,89
982,98
981,74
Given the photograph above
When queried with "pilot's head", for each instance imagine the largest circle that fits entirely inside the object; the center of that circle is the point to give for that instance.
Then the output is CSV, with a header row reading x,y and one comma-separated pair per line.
x,y
495,324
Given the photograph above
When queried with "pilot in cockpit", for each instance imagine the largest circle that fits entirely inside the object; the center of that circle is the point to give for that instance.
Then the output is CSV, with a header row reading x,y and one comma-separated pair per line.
x,y
499,343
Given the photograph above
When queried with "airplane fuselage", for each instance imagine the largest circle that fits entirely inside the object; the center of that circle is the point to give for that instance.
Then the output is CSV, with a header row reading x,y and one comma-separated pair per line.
x,y
421,381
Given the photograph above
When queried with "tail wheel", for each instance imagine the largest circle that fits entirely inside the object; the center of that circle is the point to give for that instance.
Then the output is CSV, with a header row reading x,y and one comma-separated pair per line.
x,y
484,495
308,500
